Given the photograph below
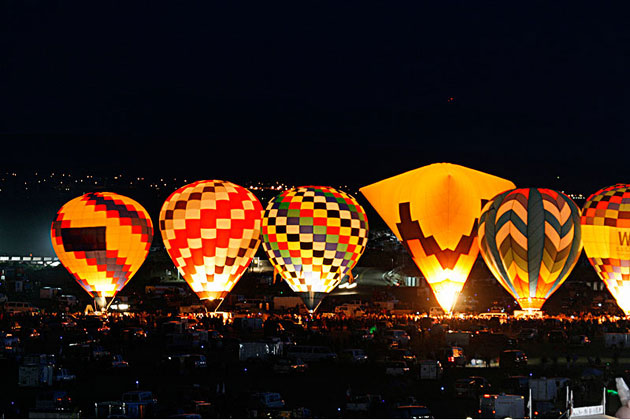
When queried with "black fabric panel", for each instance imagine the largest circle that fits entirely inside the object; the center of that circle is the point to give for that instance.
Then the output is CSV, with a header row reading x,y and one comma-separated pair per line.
x,y
84,239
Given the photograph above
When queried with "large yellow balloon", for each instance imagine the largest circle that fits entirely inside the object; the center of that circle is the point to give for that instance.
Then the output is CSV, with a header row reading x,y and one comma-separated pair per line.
x,y
434,211
606,237
102,239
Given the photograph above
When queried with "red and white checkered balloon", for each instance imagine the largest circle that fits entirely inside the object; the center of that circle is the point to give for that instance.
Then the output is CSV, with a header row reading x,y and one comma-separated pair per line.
x,y
211,230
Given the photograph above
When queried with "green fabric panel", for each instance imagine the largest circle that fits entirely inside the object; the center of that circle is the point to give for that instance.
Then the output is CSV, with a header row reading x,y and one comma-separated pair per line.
x,y
535,238
293,213
319,230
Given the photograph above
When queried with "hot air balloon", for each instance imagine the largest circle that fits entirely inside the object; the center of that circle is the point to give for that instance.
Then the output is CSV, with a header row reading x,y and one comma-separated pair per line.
x,y
313,237
434,211
530,238
102,239
211,231
606,237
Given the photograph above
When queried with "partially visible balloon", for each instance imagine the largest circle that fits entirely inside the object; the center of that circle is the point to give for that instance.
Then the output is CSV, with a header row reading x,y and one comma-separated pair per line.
x,y
313,237
102,239
211,231
606,237
530,238
434,211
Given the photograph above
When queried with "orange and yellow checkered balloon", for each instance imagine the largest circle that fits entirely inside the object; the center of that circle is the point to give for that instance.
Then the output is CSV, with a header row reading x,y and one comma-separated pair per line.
x,y
211,231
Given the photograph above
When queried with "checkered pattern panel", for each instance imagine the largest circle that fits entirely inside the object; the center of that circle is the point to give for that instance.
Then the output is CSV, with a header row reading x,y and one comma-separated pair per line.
x,y
314,236
613,271
211,230
102,239
608,207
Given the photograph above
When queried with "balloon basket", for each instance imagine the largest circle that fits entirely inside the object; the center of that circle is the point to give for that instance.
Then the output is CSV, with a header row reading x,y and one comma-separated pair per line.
x,y
101,304
529,314
212,305
311,300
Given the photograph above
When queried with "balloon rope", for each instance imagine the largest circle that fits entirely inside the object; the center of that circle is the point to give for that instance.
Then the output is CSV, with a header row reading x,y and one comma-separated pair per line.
x,y
110,302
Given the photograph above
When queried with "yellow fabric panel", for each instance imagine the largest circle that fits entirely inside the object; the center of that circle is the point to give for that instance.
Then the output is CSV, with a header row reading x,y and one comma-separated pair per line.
x,y
333,221
445,199
345,231
604,241
446,283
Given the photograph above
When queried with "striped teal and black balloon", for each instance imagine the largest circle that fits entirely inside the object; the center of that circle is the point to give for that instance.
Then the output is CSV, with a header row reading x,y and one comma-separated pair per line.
x,y
530,238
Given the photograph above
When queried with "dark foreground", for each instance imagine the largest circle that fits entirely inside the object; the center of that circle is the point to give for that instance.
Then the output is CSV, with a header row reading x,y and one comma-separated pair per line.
x,y
203,367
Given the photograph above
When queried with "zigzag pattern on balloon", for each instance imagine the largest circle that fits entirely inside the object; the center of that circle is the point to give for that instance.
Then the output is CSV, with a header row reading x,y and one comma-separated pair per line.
x,y
434,212
487,243
536,242
411,230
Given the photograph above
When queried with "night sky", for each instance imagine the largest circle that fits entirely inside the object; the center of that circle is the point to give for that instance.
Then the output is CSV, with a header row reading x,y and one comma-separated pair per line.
x,y
315,93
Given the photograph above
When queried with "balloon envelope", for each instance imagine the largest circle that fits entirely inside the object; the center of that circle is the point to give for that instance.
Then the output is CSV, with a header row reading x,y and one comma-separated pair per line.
x,y
313,237
211,231
434,211
102,239
606,237
530,238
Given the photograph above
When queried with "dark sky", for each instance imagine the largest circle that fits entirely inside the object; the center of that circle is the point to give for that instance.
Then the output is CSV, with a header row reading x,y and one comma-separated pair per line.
x,y
317,92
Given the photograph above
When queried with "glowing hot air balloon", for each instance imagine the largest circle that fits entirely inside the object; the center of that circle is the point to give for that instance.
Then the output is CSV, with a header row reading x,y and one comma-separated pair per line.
x,y
434,211
313,237
606,238
102,239
530,238
211,231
